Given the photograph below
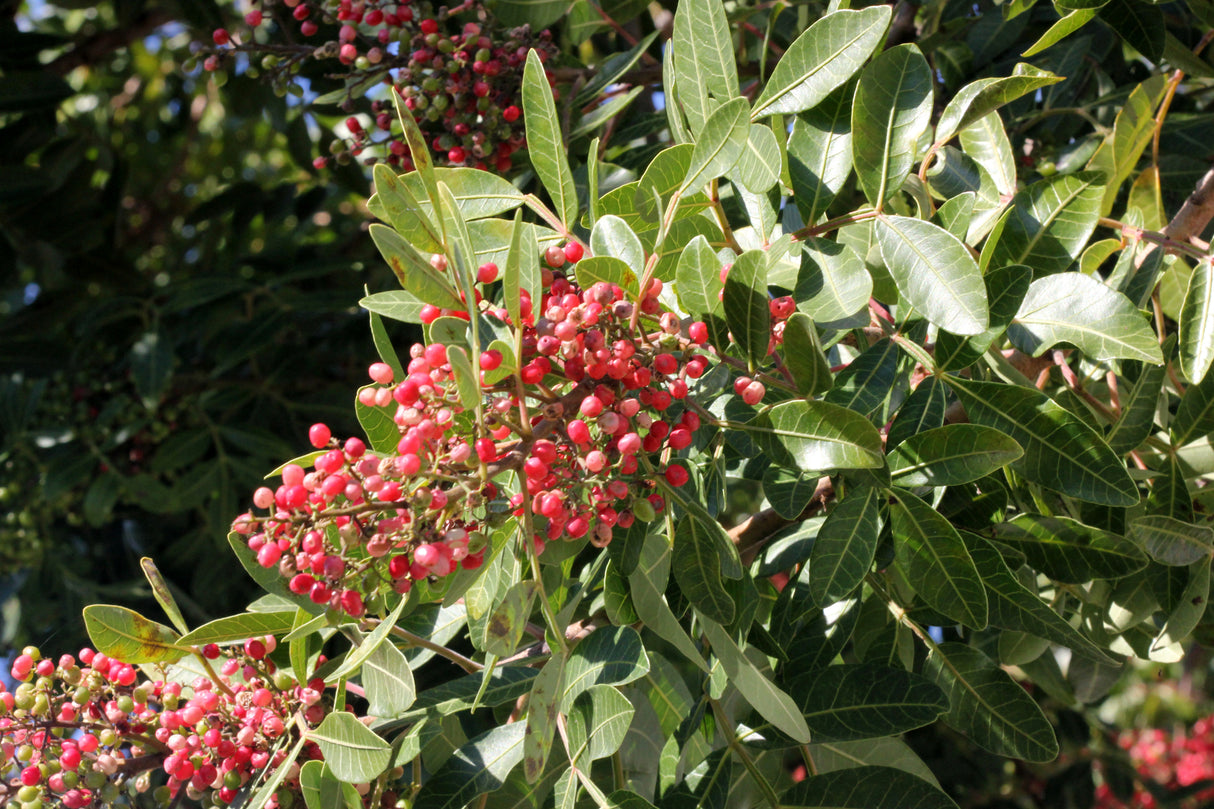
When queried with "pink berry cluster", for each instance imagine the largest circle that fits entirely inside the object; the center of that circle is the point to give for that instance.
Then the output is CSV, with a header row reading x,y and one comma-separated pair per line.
x,y
594,410
457,71
1172,760
89,730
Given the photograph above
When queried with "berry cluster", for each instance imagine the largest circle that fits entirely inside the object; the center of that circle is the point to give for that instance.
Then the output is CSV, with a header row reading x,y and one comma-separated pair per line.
x,y
91,731
457,71
589,415
1172,761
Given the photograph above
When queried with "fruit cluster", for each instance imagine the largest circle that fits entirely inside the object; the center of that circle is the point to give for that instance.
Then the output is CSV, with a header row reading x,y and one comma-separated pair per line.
x,y
89,730
1173,762
456,69
593,410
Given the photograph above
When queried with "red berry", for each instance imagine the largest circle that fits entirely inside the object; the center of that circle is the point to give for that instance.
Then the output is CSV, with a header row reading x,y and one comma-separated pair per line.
x,y
754,393
253,18
491,360
255,648
430,313
511,114
319,435
486,449
428,26
555,257
676,475
221,36
487,273
574,252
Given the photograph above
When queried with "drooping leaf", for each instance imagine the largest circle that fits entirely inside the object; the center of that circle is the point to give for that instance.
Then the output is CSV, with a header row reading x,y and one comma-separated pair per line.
x,y
543,705
772,704
817,437
544,142
886,752
476,768
1138,407
1061,452
935,273
704,65
1189,609
696,562
395,203
239,627
747,312
1069,551
892,108
1197,323
1047,224
367,645
125,635
821,59
1077,309
354,752
865,787
935,562
951,455
804,357
983,96
597,724
848,702
608,656
508,622
989,706
986,141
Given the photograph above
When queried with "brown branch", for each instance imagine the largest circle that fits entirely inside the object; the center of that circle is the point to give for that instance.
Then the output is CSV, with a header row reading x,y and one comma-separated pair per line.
x,y
1191,220
93,49
752,533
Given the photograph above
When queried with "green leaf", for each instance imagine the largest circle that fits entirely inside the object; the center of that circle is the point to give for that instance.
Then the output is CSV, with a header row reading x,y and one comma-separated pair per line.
x,y
719,144
505,684
697,284
394,202
1140,24
696,563
1061,453
747,312
1171,541
867,787
819,154
543,705
758,168
1069,551
934,272
1005,288
382,432
849,702
395,304
240,628
322,790
413,272
787,491
989,706
522,271
817,437
356,657
1138,407
125,635
983,96
893,107
772,704
1194,417
833,283
163,594
922,410
951,455
352,750
1197,323
987,143
1048,224
704,65
538,14
480,766
1060,30
151,367
597,724
607,656
887,752
1190,608
1080,310
388,681
868,381
506,625
612,237
804,357
544,143
933,558
1015,607
845,547
647,582
821,59
662,178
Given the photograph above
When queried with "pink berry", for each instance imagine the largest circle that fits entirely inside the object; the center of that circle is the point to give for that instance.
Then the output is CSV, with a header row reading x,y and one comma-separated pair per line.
x,y
487,273
754,392
574,252
319,435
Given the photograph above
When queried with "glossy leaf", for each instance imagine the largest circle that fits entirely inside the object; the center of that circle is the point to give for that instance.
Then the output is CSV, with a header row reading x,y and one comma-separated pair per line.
x,y
396,304
819,154
696,562
612,237
932,556
662,178
125,635
772,704
704,65
1070,551
1060,452
951,455
758,167
886,752
1197,323
1190,607
1076,309
597,724
747,312
868,381
239,627
719,144
1014,607
821,59
478,767
544,142
1195,414
1171,541
986,141
163,594
388,681
322,790
849,702
892,108
845,547
1069,24
395,203
817,437
413,272
923,410
935,273
1047,224
1138,407
833,282
522,271
352,751
1005,289
865,787
989,706
983,96
608,656
804,357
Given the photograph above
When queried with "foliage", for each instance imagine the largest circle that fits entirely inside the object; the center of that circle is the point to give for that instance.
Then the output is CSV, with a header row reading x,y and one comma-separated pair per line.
x,y
973,408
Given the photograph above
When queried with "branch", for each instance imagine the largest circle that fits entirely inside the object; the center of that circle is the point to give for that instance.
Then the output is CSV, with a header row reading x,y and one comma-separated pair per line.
x,y
751,534
1191,220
